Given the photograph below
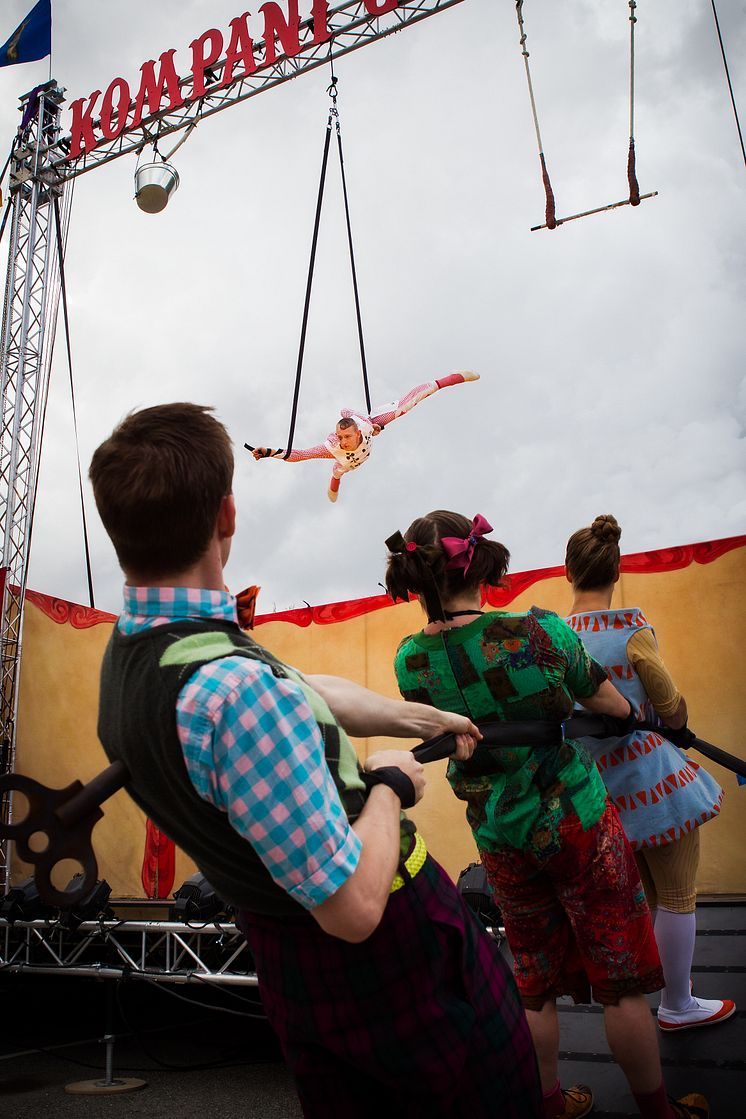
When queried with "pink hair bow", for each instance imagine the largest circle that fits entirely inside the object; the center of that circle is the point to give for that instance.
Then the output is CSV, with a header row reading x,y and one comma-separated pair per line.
x,y
460,551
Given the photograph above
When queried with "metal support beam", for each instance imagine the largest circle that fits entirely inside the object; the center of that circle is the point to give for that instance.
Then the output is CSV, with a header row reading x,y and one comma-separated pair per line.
x,y
351,28
29,317
159,951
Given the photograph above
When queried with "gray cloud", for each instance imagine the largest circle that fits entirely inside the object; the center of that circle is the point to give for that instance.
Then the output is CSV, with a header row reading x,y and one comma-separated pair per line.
x,y
611,350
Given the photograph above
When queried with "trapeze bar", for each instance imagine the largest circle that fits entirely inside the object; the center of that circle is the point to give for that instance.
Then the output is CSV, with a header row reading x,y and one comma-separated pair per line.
x,y
599,210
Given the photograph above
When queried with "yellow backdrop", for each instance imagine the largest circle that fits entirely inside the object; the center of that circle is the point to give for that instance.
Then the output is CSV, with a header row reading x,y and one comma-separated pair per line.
x,y
698,611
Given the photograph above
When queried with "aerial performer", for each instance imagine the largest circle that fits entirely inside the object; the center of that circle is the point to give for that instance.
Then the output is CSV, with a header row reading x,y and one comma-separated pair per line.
x,y
663,830
350,443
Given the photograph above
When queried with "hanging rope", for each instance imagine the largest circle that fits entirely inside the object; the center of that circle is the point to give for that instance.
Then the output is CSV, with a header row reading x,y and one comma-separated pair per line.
x,y
333,119
635,198
634,190
309,285
550,210
61,256
727,75
6,215
332,91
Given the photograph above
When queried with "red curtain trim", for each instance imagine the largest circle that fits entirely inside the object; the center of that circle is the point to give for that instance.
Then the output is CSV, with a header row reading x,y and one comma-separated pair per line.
x,y
639,563
158,864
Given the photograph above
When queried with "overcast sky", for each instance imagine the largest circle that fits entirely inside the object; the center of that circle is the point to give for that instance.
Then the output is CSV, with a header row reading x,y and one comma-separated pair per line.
x,y
611,350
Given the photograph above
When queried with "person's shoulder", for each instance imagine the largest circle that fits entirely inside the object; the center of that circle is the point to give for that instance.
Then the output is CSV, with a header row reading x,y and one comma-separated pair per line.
x,y
542,613
406,647
551,621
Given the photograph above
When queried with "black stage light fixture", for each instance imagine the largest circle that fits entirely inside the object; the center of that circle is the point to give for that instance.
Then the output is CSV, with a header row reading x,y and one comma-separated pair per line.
x,y
196,900
94,905
22,903
473,886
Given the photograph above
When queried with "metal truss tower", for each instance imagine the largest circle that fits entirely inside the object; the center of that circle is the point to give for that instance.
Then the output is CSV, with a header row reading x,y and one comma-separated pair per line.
x,y
40,172
29,317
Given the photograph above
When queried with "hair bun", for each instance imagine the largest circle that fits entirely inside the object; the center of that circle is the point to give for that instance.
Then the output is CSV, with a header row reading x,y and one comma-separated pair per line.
x,y
606,528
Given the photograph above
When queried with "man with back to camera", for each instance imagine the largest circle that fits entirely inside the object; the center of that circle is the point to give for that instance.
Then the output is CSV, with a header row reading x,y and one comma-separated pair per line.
x,y
386,995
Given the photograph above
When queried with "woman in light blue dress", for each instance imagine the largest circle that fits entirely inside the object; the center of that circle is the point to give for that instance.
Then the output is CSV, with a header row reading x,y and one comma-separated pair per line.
x,y
662,795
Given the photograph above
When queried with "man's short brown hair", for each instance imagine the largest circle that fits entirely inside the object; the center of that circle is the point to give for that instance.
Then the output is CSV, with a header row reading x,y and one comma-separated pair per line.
x,y
346,422
158,481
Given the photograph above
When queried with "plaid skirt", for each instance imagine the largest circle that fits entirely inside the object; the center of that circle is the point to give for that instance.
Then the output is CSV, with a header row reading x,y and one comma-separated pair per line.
x,y
421,1020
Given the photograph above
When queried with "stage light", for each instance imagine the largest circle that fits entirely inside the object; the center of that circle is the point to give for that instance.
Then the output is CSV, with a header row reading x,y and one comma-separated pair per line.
x,y
196,900
22,903
90,908
154,184
473,887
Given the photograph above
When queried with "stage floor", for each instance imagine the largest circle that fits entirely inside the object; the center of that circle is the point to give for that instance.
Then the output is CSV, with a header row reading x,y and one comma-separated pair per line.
x,y
51,1028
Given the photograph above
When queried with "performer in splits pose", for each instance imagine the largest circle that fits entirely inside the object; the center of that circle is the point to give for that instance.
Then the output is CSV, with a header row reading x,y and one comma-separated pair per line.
x,y
388,998
350,443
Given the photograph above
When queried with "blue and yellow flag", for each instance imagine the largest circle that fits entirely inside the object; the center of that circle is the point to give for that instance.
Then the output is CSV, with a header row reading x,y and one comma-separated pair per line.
x,y
32,39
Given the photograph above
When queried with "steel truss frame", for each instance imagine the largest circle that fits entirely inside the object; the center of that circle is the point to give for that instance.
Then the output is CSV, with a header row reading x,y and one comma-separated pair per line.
x,y
39,171
351,28
158,951
32,293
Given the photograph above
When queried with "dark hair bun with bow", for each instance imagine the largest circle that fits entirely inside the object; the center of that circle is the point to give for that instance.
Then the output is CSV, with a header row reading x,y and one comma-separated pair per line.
x,y
421,563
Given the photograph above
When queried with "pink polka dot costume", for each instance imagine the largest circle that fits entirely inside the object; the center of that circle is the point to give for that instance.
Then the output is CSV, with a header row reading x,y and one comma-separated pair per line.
x,y
357,451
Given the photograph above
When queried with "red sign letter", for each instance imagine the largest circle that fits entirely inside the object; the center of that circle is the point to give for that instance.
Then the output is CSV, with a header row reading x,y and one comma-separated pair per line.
x,y
379,9
200,63
319,12
240,49
151,89
276,26
108,130
82,136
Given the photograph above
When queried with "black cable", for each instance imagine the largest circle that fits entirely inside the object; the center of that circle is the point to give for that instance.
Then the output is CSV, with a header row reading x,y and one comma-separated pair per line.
x,y
61,255
7,163
727,75
352,253
157,1060
309,284
206,1005
6,215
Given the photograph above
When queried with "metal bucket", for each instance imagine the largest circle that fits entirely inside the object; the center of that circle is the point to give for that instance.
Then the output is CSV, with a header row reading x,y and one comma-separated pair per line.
x,y
154,185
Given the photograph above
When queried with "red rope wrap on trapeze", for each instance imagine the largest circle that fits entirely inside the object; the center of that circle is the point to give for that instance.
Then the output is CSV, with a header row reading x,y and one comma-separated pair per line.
x,y
550,215
634,190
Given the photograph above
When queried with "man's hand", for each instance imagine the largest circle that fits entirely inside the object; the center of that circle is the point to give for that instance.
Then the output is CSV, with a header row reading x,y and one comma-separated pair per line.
x,y
366,714
403,760
377,429
467,733
262,452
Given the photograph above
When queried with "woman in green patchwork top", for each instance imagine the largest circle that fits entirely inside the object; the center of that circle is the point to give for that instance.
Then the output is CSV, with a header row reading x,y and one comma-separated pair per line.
x,y
556,856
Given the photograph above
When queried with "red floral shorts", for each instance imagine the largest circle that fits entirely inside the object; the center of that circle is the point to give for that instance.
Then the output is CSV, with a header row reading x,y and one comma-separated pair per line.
x,y
578,923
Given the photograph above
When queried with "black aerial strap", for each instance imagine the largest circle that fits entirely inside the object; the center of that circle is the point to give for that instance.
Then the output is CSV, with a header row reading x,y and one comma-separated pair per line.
x,y
309,284
332,91
332,119
61,256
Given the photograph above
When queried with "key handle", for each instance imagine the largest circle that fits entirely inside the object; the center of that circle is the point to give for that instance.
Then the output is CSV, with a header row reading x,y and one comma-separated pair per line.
x,y
64,818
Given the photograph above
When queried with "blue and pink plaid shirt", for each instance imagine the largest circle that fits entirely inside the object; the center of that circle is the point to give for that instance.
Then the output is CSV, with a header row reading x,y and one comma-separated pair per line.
x,y
253,749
